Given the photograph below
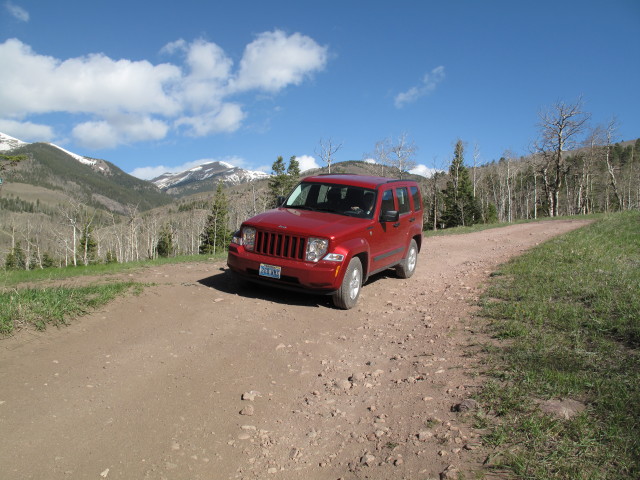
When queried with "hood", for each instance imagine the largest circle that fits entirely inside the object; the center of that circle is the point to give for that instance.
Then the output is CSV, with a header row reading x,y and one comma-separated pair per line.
x,y
306,222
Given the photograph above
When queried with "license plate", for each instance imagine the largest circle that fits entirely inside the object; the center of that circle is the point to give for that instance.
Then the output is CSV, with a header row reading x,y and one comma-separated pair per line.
x,y
270,271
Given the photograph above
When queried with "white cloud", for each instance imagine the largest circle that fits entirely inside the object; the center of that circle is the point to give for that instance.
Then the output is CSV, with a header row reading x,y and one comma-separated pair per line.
x,y
429,83
27,131
273,61
423,170
225,119
193,93
17,12
94,84
307,162
116,130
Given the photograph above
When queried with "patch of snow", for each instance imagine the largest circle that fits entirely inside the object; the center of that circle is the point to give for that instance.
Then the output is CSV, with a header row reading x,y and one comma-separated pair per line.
x,y
7,142
79,158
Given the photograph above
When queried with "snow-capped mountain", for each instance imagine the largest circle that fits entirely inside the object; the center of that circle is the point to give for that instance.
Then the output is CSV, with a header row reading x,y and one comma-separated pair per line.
x,y
206,177
9,143
91,181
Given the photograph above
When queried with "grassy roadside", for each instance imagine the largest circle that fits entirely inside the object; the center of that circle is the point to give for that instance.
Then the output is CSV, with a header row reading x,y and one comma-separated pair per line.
x,y
479,227
16,277
568,318
38,307
55,306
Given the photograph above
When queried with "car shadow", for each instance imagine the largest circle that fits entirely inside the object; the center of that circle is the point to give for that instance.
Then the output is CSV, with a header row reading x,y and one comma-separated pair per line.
x,y
226,282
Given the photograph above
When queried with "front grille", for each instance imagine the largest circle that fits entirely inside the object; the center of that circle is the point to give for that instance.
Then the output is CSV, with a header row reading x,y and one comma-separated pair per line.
x,y
280,245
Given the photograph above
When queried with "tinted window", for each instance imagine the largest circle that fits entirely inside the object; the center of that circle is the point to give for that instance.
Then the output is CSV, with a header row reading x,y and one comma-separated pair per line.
x,y
403,200
334,198
387,201
415,193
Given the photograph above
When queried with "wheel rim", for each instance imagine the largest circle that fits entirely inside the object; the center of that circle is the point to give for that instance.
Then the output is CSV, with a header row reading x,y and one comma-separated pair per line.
x,y
354,284
412,260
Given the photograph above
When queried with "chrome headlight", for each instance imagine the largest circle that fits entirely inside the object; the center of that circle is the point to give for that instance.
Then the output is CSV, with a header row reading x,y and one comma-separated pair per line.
x,y
245,236
316,248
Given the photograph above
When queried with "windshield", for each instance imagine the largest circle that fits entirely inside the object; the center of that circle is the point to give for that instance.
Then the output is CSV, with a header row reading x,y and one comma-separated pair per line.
x,y
330,197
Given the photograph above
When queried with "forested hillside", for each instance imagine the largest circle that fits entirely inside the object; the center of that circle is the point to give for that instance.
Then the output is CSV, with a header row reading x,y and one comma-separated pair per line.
x,y
101,185
83,223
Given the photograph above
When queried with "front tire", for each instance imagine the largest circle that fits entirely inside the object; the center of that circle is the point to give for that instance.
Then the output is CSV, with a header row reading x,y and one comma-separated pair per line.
x,y
407,267
347,295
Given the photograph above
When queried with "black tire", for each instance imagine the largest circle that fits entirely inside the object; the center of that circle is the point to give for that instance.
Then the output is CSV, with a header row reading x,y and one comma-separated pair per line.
x,y
407,267
347,295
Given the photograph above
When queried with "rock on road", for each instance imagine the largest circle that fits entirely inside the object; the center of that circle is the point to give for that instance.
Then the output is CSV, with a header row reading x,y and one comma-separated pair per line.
x,y
199,378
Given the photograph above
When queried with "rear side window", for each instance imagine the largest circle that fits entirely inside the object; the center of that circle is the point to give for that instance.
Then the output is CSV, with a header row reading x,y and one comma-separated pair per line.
x,y
417,204
403,200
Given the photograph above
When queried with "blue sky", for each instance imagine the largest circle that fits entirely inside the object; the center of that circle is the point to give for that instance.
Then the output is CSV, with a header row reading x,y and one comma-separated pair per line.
x,y
161,86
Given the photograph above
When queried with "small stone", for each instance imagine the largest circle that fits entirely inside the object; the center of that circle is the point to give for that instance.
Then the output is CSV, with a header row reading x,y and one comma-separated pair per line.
x,y
450,473
465,405
248,410
425,435
250,396
368,460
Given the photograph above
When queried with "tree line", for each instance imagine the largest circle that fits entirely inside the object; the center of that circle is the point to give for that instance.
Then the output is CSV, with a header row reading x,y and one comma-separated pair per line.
x,y
572,169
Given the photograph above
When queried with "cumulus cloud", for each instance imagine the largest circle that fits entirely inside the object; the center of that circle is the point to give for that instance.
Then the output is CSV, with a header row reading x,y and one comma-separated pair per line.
x,y
307,162
227,118
274,60
28,131
117,130
424,171
129,101
429,83
17,12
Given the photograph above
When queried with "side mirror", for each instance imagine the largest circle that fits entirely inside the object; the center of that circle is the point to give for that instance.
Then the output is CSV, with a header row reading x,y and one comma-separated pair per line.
x,y
280,200
390,216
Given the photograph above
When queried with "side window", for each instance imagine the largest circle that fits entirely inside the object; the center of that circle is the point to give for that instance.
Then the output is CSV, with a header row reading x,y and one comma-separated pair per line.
x,y
417,204
387,201
403,200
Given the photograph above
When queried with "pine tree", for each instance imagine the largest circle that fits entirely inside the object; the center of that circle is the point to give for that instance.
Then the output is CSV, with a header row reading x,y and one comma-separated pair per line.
x,y
293,172
279,181
460,206
16,259
165,242
215,236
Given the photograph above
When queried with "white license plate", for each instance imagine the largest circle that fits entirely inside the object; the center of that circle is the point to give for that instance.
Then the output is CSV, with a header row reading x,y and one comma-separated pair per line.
x,y
270,271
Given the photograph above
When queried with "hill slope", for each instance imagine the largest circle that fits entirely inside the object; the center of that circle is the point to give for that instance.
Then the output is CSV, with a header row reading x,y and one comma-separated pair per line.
x,y
92,181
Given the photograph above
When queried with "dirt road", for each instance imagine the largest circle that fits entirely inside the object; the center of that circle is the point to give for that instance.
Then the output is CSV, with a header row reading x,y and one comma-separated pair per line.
x,y
198,379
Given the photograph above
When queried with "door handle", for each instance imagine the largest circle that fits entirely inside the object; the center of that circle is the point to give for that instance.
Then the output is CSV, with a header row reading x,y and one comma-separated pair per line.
x,y
396,225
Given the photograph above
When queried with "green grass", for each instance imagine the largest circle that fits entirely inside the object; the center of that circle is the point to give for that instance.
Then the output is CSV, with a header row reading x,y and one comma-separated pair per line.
x,y
31,307
24,305
479,227
10,278
568,315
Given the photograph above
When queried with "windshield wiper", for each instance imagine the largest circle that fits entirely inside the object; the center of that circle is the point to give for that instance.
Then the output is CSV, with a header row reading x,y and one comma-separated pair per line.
x,y
300,207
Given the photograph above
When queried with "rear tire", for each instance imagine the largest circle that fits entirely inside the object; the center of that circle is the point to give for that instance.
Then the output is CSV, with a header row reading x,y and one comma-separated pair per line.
x,y
407,267
347,295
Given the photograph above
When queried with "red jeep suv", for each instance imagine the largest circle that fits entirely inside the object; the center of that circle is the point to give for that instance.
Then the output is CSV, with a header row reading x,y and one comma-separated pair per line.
x,y
330,234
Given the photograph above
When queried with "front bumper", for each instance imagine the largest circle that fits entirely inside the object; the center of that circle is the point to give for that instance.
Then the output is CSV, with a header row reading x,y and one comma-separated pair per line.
x,y
321,277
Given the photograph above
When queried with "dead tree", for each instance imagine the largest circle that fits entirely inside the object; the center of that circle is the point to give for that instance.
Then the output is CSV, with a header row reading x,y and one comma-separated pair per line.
x,y
559,129
327,151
